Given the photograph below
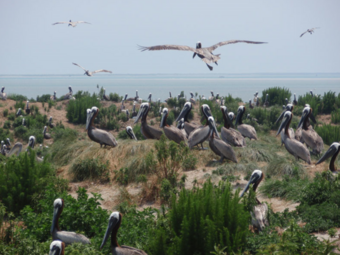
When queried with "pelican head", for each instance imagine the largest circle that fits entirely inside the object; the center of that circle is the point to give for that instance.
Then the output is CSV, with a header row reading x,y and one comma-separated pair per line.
x,y
114,223
180,124
305,114
186,108
70,89
225,113
57,248
286,120
50,120
212,126
88,118
288,107
333,152
255,178
165,113
206,110
8,141
198,45
58,206
143,110
231,116
240,111
44,129
192,95
31,141
150,95
130,133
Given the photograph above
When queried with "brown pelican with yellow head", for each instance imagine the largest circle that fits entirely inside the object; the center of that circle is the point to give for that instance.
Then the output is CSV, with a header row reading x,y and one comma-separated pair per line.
x,y
188,127
333,152
66,236
114,223
245,130
309,136
171,132
98,135
147,131
228,134
57,248
293,146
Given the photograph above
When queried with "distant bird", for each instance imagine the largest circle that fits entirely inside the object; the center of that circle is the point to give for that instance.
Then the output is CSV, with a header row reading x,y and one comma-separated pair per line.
x,y
28,110
23,122
105,97
31,143
71,23
3,95
333,152
311,93
192,99
204,53
311,31
295,101
68,95
88,73
54,96
134,113
46,135
130,132
203,97
251,106
149,98
51,125
19,112
57,248
212,98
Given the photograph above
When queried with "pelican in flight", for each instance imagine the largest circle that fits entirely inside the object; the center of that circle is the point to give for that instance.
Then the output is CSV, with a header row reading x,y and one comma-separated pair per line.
x,y
293,146
333,152
206,54
260,211
311,31
71,23
228,134
88,73
245,130
98,135
57,248
114,223
147,131
171,132
65,236
130,132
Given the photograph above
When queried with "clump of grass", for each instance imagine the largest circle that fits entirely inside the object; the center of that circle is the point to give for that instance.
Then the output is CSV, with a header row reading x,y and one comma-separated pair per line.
x,y
328,133
335,116
281,166
189,163
17,97
91,169
5,112
249,154
276,95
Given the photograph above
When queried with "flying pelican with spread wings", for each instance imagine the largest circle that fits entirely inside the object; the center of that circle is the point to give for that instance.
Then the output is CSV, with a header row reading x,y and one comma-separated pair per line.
x,y
88,73
204,53
71,23
311,31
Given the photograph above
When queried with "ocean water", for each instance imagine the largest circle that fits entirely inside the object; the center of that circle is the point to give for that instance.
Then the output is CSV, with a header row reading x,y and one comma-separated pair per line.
x,y
238,85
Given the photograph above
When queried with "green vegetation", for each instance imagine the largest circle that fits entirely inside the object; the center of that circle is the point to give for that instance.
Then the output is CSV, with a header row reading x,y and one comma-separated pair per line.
x,y
276,95
328,133
335,116
84,169
17,97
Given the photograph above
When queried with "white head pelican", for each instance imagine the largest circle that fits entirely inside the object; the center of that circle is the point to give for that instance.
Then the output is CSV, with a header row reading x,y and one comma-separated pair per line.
x,y
57,248
333,152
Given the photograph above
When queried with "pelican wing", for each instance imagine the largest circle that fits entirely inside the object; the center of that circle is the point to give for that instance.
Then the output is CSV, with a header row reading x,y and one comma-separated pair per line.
x,y
104,137
303,33
297,149
79,66
199,135
167,47
247,131
71,237
77,22
102,70
123,249
61,22
174,134
225,149
215,46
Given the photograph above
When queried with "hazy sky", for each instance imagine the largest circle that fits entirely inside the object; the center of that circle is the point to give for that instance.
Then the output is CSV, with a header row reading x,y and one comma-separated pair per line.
x,y
29,44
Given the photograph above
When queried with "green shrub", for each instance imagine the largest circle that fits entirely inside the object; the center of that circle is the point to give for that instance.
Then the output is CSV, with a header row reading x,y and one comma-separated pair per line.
x,y
4,133
328,133
91,169
170,119
20,104
315,102
17,97
5,112
276,95
166,191
44,98
114,97
7,124
64,133
11,116
328,102
189,163
335,116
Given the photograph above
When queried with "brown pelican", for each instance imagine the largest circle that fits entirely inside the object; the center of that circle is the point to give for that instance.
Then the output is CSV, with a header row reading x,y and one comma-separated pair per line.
x,y
134,113
19,112
105,97
23,122
65,236
228,134
171,132
212,98
57,248
288,107
203,97
27,110
50,124
222,101
133,98
71,23
88,73
218,146
46,135
309,136
192,99
180,126
114,223
130,132
98,135
333,152
260,211
69,95
295,101
204,53
251,106
266,102
188,127
293,146
147,131
31,143
245,130
6,151
3,95
54,96
311,31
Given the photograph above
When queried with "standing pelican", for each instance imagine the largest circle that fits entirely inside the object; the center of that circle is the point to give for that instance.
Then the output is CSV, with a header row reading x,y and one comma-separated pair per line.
x,y
212,98
228,134
57,248
114,223
288,107
266,102
295,101
88,73
46,135
71,23
105,97
293,146
28,110
245,130
180,126
3,95
50,124
31,144
204,53
171,132
19,112
68,95
188,127
134,113
333,152
65,236
217,145
192,99
260,212
147,131
98,135
130,132
251,106
311,31
310,137
54,96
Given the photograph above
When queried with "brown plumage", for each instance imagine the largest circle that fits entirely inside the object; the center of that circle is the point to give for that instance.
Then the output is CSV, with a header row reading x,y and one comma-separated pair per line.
x,y
245,130
46,135
171,132
228,134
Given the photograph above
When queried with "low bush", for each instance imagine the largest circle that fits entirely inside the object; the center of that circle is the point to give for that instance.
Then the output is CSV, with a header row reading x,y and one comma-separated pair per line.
x,y
328,133
276,95
189,163
114,97
84,169
20,104
315,102
11,116
335,116
17,97
4,133
5,112
44,98
7,124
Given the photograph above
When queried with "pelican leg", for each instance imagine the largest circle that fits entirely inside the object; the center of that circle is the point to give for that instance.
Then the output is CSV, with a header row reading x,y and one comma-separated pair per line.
x,y
203,147
221,159
210,67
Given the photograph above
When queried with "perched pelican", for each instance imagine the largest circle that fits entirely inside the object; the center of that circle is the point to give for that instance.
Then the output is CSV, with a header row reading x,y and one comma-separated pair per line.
x,y
65,236
290,108
23,122
311,31
130,132
333,152
218,146
8,143
222,101
212,98
98,135
54,96
180,126
46,135
204,53
50,124
166,100
134,113
251,106
188,127
19,112
57,248
31,143
192,99
295,101
266,102
68,95
310,137
293,146
133,98
6,151
171,132
3,95
228,134
71,23
88,73
147,131
245,130
27,110
114,223
260,212
311,93
105,97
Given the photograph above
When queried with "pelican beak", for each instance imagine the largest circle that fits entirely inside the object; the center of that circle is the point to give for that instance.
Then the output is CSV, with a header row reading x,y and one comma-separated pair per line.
x,y
329,153
281,116
112,223
183,113
88,118
303,117
253,179
55,214
140,113
162,124
283,124
131,134
213,128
